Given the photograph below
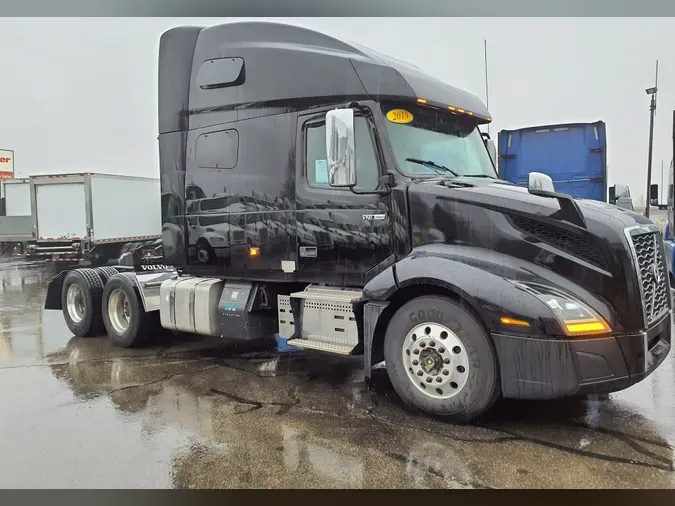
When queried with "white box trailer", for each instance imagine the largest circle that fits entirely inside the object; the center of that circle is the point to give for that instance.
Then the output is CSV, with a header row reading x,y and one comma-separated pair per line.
x,y
16,225
91,214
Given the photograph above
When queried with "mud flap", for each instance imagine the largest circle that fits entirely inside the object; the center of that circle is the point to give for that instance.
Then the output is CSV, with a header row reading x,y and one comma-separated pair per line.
x,y
148,280
53,299
371,315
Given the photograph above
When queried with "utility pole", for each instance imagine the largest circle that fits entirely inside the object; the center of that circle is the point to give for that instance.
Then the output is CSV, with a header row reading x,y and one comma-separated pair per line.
x,y
652,108
661,190
487,92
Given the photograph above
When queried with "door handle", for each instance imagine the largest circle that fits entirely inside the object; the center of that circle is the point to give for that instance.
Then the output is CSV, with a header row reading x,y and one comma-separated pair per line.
x,y
308,252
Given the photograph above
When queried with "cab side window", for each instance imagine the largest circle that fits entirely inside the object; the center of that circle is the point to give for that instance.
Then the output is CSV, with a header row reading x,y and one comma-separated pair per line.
x,y
367,170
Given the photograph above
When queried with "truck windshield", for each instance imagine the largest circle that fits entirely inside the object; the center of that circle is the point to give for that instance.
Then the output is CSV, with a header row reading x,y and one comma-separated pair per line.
x,y
439,137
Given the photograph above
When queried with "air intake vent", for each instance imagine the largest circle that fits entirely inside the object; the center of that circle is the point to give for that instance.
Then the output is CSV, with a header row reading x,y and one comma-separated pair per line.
x,y
569,242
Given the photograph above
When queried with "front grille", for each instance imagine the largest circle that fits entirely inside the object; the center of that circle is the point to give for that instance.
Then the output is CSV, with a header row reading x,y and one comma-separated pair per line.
x,y
569,242
652,274
238,236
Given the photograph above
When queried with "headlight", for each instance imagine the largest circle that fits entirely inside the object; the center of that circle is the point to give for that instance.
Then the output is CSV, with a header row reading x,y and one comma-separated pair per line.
x,y
575,317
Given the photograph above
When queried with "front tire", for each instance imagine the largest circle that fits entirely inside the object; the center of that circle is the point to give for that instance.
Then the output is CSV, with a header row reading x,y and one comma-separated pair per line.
x,y
440,360
81,302
125,319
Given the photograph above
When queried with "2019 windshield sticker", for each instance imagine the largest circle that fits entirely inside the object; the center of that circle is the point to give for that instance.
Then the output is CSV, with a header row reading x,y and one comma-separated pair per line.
x,y
399,116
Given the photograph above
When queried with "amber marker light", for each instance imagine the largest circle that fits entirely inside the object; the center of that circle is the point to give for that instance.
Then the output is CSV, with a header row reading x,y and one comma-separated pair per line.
x,y
253,252
513,322
585,327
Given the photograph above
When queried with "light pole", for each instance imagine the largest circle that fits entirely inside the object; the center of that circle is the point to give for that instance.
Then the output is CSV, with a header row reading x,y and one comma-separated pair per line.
x,y
661,187
652,109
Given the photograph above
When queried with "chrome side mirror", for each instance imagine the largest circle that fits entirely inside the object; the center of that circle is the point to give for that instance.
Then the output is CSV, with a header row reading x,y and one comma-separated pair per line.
x,y
538,182
340,156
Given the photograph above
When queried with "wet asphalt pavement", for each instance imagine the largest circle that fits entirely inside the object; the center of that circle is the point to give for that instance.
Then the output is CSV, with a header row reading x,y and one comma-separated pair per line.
x,y
78,413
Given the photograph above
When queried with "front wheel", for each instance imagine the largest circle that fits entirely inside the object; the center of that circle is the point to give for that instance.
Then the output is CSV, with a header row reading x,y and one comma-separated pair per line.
x,y
205,253
125,319
440,360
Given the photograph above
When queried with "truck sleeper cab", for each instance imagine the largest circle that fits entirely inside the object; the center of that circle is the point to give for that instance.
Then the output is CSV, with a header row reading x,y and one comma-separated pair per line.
x,y
475,289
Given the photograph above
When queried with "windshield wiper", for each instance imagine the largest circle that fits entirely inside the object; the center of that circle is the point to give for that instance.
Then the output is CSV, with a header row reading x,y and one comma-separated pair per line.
x,y
480,175
432,164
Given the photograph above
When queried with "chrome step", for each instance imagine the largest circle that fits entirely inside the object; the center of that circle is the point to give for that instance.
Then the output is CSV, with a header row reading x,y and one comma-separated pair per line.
x,y
328,294
320,345
327,318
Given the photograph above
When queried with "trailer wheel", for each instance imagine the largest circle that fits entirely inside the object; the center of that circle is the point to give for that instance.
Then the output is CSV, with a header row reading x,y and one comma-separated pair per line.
x,y
124,317
440,360
81,302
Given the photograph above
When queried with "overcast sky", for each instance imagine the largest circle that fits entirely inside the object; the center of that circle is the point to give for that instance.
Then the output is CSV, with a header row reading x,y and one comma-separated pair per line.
x,y
81,94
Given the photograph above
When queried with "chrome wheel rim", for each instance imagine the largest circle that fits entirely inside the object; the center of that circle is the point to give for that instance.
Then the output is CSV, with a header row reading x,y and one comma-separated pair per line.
x,y
75,303
435,360
119,311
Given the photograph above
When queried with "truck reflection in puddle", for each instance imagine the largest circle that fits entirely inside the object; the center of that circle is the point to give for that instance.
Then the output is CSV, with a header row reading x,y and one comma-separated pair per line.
x,y
264,420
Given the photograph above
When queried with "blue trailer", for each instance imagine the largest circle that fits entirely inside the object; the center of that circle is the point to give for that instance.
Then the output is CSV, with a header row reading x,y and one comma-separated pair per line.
x,y
574,155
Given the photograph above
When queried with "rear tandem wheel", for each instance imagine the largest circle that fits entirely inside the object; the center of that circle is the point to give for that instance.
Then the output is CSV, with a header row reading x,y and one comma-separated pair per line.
x,y
124,317
81,302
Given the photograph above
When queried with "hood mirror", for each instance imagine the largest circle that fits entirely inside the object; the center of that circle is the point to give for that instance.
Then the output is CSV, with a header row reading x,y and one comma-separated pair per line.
x,y
538,182
619,195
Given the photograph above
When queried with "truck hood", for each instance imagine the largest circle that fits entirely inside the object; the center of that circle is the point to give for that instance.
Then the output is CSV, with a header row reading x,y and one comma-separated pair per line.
x,y
507,197
526,233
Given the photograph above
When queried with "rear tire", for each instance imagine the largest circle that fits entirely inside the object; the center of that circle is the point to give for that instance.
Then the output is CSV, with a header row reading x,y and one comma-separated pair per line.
x,y
124,317
81,302
105,273
440,360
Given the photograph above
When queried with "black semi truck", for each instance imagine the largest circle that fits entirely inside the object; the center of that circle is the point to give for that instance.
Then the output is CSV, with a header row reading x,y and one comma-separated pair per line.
x,y
349,202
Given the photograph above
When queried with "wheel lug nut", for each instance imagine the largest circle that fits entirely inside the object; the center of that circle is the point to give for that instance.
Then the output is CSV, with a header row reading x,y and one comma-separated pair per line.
x,y
438,380
432,344
419,373
446,372
422,345
441,350
429,380
416,352
446,361
415,362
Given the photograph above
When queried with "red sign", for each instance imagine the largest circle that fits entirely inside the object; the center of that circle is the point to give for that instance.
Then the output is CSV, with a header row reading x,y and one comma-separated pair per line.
x,y
6,164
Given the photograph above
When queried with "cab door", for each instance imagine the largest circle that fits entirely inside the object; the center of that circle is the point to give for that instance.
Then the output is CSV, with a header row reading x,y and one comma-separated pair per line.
x,y
341,235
